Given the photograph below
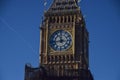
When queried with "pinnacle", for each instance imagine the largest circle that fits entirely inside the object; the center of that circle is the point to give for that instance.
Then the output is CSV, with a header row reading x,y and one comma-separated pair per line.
x,y
63,6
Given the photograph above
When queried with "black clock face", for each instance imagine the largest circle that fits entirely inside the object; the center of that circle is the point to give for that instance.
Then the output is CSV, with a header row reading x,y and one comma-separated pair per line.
x,y
60,40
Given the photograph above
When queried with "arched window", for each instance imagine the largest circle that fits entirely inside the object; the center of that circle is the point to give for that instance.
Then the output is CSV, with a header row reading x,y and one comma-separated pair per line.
x,y
65,19
68,18
61,19
57,19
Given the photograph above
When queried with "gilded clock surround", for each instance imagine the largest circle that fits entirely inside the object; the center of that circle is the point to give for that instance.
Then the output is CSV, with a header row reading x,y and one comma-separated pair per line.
x,y
60,40
65,28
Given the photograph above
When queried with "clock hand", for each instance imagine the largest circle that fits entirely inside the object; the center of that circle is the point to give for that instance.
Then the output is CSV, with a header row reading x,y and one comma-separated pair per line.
x,y
60,35
64,40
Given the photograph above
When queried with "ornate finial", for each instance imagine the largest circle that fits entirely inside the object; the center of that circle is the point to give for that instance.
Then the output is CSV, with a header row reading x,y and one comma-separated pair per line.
x,y
79,1
45,3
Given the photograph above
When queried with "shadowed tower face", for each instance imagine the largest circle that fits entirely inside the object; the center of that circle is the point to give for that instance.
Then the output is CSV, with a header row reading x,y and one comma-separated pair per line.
x,y
64,41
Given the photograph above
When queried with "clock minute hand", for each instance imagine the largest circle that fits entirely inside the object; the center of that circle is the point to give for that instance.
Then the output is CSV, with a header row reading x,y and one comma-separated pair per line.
x,y
64,40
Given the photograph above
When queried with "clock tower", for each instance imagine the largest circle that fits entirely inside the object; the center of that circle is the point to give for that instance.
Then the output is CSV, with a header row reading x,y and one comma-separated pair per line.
x,y
64,42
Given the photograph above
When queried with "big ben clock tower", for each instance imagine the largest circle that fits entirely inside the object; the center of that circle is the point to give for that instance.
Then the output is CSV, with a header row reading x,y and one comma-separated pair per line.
x,y
64,44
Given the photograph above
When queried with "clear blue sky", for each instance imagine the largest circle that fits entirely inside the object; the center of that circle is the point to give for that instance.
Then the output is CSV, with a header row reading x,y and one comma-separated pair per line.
x,y
19,36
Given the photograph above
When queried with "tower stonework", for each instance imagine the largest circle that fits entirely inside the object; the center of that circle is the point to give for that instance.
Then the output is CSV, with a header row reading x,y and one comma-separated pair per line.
x,y
64,42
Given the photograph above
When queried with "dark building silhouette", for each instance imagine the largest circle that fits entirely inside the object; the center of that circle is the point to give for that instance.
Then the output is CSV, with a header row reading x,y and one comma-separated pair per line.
x,y
64,53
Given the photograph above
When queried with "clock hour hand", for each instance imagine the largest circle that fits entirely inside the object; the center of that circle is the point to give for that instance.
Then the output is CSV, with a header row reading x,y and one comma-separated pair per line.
x,y
58,39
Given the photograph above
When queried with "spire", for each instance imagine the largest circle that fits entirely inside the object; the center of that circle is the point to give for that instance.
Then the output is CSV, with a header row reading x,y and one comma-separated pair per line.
x,y
62,6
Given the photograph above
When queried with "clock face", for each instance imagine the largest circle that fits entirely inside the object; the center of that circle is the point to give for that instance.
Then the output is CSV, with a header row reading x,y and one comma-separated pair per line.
x,y
60,40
